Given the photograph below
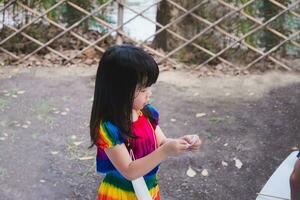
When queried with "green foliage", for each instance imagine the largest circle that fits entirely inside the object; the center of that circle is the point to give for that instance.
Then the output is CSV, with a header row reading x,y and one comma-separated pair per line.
x,y
71,15
102,1
48,4
100,28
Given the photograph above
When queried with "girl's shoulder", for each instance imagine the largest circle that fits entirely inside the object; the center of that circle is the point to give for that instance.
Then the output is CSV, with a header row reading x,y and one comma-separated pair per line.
x,y
152,110
154,118
109,135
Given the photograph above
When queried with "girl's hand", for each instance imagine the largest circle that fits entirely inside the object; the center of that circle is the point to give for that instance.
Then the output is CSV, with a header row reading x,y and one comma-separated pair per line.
x,y
174,147
193,141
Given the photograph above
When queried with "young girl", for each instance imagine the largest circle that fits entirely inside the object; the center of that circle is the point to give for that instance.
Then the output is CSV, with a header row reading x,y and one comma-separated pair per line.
x,y
122,120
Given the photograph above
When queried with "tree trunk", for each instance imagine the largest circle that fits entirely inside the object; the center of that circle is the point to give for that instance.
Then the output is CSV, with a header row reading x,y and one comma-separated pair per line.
x,y
187,27
167,13
162,17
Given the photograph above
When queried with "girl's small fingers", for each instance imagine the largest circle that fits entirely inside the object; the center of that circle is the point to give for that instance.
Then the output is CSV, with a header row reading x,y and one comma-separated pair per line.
x,y
195,146
199,142
183,142
183,146
187,138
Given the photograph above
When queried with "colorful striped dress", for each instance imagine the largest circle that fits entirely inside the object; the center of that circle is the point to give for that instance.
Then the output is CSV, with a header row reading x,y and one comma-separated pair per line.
x,y
114,186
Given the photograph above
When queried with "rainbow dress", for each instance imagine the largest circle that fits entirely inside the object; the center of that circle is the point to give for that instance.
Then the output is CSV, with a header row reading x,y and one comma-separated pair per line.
x,y
114,186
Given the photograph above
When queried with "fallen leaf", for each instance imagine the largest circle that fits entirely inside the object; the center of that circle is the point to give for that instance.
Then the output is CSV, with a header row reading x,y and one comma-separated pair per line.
x,y
204,172
226,144
5,134
25,126
2,138
77,143
21,92
90,53
225,164
196,94
67,109
190,172
238,163
86,158
173,120
200,114
14,96
73,137
56,112
54,152
87,124
42,181
63,113
28,122
294,148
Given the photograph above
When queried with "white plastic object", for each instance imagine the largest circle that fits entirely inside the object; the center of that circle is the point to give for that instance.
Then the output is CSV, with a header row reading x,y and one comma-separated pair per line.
x,y
140,186
141,189
278,186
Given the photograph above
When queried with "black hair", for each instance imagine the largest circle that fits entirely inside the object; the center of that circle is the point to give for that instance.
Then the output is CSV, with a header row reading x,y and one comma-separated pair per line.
x,y
121,69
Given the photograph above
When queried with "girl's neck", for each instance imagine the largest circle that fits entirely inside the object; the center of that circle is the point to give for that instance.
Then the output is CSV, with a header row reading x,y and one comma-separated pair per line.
x,y
134,115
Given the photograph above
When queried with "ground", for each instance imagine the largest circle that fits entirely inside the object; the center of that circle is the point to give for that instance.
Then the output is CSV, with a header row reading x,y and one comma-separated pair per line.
x,y
251,120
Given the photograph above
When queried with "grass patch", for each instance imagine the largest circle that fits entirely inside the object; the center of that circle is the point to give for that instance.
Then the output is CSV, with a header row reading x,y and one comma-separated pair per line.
x,y
3,103
210,136
43,112
217,120
13,92
3,172
66,98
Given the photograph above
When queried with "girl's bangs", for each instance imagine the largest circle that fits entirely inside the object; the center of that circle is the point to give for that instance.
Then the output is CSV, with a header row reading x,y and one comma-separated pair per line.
x,y
148,73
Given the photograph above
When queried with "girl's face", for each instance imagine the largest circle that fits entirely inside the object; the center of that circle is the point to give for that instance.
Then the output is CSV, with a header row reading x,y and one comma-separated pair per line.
x,y
141,97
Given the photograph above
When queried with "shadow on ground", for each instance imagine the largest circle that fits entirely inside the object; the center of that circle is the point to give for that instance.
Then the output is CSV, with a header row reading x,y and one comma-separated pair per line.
x,y
44,136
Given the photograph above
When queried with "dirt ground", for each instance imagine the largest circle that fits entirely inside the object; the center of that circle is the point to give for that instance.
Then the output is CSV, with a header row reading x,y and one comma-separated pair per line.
x,y
44,135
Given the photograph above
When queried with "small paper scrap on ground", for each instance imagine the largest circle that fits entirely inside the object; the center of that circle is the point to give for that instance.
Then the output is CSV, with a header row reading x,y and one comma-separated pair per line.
x,y
225,164
86,158
204,172
200,115
238,163
190,172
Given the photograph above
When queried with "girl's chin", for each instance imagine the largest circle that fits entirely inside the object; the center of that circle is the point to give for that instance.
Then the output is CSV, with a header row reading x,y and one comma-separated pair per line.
x,y
140,107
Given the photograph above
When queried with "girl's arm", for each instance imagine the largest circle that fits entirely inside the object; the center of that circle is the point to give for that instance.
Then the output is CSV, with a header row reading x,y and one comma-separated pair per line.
x,y
131,170
160,136
162,139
